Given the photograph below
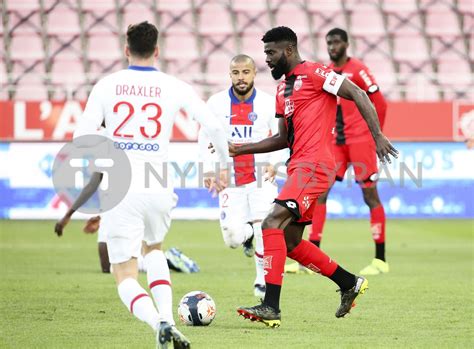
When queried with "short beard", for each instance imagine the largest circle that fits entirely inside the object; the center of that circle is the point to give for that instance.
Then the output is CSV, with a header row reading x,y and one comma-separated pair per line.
x,y
244,92
280,68
336,57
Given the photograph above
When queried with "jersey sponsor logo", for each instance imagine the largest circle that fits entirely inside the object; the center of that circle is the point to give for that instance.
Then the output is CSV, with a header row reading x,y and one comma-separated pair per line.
x,y
289,107
298,82
252,116
136,146
242,132
367,80
230,116
321,72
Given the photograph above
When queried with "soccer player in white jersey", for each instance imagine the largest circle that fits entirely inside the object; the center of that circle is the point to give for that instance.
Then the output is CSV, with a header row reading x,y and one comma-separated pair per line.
x,y
248,115
139,105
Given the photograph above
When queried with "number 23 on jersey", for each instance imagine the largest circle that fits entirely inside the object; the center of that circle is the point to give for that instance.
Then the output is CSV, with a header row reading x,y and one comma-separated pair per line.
x,y
153,119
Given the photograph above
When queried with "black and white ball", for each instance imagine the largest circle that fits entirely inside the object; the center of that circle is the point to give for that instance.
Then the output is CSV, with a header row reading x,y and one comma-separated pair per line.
x,y
196,308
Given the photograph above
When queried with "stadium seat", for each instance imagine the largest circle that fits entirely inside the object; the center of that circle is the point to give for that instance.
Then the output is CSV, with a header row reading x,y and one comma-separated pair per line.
x,y
214,18
63,19
361,22
104,46
291,14
26,47
441,20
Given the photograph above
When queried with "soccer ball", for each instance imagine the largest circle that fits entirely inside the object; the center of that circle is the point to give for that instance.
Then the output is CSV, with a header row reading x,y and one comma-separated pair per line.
x,y
196,308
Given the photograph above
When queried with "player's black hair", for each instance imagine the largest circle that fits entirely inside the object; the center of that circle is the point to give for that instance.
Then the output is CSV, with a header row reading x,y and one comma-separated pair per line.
x,y
279,34
142,39
338,31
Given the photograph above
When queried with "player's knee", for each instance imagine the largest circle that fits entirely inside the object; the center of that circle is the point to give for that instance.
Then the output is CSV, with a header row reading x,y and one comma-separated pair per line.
x,y
323,198
371,198
277,218
232,236
291,243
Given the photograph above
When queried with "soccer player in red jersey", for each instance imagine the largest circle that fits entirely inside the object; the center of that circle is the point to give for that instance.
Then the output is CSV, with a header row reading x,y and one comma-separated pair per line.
x,y
305,105
355,146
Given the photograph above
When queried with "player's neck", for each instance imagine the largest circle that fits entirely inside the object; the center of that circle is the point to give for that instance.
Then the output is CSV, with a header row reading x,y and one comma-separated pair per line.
x,y
149,62
243,98
341,61
294,63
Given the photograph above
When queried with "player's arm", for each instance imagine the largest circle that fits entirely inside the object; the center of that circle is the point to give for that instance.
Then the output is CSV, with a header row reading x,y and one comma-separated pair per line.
x,y
366,81
85,195
349,90
380,105
276,142
91,120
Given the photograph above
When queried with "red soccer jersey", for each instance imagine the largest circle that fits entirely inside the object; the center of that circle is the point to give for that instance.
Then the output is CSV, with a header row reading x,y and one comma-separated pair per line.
x,y
307,101
350,126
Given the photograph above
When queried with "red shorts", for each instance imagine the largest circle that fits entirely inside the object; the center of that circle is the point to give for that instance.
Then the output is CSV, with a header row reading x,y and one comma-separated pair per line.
x,y
301,190
363,158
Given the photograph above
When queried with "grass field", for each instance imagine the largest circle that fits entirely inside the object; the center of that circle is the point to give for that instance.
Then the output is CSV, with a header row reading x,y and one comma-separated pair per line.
x,y
52,294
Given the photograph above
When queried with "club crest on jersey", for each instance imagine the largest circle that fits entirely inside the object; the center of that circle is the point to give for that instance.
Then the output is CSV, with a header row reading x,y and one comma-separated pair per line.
x,y
298,82
252,116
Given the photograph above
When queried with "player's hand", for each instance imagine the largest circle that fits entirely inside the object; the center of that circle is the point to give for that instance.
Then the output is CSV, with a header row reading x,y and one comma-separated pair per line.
x,y
92,225
232,149
223,181
61,224
209,178
384,149
269,173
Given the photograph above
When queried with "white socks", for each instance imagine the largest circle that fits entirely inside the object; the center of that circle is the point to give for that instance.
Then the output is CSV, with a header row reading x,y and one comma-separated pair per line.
x,y
141,264
257,230
137,300
159,281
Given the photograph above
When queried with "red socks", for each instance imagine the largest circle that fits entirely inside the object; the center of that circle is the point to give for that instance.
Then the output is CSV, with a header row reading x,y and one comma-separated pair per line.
x,y
377,224
274,255
313,258
319,218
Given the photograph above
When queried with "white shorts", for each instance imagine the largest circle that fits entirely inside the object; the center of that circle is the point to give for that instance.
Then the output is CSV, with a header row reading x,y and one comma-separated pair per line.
x,y
243,204
138,217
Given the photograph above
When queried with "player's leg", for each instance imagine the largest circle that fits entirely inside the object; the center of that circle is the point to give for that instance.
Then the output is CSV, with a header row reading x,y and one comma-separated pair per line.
x,y
157,223
234,218
102,247
124,245
341,156
103,257
311,256
273,262
379,264
260,198
364,161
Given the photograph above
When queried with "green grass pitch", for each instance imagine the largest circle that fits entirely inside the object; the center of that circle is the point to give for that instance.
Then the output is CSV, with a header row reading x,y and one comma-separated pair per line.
x,y
52,294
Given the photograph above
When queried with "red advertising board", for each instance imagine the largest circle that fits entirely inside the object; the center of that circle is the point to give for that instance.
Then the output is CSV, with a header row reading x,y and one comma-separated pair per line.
x,y
406,121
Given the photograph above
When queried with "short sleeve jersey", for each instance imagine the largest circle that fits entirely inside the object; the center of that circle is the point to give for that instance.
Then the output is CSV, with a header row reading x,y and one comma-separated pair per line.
x,y
307,101
350,126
